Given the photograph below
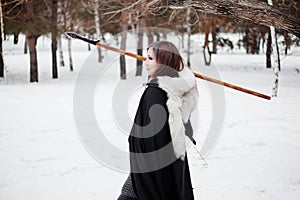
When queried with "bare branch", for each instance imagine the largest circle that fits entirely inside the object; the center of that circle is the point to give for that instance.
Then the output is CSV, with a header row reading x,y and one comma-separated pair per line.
x,y
125,9
255,11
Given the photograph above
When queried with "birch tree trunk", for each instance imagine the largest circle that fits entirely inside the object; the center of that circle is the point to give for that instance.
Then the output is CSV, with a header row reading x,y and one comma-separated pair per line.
x,y
89,45
288,42
140,32
189,36
68,24
1,40
61,54
62,19
275,58
97,25
70,54
269,50
124,27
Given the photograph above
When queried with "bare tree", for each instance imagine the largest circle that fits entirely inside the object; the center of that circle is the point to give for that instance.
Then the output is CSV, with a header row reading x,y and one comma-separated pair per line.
x,y
97,26
275,57
25,47
206,50
61,54
32,40
1,40
269,50
68,25
124,28
188,17
140,33
256,11
61,27
29,17
54,37
253,10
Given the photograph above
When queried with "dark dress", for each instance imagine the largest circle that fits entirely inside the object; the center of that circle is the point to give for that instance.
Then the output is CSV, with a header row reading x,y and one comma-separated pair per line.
x,y
171,182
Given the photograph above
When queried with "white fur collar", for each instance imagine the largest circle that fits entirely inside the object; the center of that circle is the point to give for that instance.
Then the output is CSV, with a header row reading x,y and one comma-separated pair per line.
x,y
182,100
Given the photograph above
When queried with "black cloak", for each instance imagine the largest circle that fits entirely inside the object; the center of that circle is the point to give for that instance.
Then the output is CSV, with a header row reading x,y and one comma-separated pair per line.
x,y
171,182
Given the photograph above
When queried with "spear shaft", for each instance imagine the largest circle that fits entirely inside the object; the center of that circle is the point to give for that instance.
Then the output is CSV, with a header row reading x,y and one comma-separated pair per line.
x,y
122,52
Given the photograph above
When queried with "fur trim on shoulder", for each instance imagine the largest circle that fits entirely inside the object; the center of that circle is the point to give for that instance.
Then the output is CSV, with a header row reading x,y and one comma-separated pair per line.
x,y
182,100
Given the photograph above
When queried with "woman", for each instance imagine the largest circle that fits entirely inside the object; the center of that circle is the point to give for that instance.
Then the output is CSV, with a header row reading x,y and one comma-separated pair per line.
x,y
158,160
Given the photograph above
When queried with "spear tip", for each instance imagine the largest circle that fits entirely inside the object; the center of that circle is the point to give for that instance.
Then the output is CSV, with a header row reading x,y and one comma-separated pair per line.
x,y
72,35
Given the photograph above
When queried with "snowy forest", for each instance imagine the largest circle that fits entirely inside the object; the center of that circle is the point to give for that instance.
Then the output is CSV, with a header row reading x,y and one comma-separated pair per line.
x,y
94,19
247,147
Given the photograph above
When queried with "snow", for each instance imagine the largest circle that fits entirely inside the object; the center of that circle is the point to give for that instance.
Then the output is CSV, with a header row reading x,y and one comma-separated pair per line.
x,y
43,156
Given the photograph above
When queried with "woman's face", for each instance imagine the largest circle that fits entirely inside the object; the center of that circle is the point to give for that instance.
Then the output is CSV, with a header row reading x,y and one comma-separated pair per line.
x,y
151,63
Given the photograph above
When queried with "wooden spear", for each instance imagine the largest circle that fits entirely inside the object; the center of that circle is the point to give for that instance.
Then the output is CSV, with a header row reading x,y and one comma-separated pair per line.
x,y
122,52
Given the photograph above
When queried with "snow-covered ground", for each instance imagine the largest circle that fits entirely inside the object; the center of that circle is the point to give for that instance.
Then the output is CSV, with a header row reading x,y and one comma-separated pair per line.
x,y
257,155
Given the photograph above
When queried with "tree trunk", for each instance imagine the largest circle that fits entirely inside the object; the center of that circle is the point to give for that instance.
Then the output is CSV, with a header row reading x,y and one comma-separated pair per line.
x,y
139,63
278,53
269,50
214,33
207,30
246,40
88,44
124,27
275,57
70,55
32,39
156,33
263,39
61,54
131,23
188,17
1,40
54,40
16,38
97,25
206,51
147,24
165,36
288,42
25,47
182,39
253,40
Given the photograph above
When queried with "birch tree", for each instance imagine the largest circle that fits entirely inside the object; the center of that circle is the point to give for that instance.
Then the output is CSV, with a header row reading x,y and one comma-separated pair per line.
x,y
275,57
61,54
269,50
140,33
188,17
124,28
68,25
1,40
97,26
